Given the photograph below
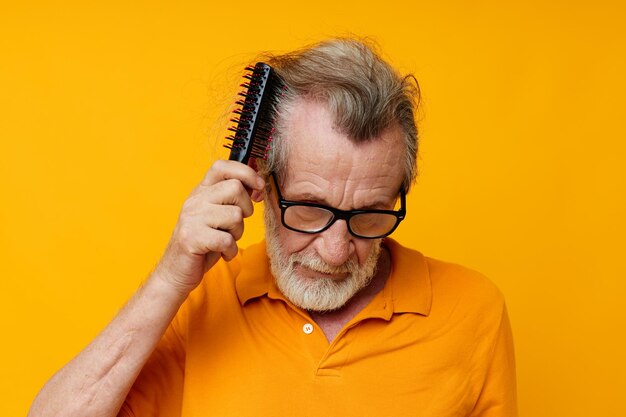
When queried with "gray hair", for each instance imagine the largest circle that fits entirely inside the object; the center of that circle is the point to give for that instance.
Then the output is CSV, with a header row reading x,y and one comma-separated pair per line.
x,y
364,94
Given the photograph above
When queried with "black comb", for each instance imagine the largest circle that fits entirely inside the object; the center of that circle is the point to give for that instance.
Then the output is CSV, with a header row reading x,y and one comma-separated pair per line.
x,y
252,133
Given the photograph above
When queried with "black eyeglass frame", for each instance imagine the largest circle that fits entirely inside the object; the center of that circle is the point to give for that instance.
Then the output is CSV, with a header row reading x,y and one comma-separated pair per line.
x,y
339,214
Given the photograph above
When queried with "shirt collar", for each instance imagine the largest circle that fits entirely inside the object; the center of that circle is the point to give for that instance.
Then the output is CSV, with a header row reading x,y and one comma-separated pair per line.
x,y
409,287
255,279
407,290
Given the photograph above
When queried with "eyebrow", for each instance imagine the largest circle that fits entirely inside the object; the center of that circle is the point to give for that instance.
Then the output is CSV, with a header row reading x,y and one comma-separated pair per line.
x,y
312,198
308,198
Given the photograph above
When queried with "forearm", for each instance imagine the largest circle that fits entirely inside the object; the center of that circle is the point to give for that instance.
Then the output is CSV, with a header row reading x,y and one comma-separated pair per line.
x,y
96,382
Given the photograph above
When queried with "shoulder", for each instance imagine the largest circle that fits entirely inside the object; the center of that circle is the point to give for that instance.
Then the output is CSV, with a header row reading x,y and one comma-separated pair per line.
x,y
453,278
454,288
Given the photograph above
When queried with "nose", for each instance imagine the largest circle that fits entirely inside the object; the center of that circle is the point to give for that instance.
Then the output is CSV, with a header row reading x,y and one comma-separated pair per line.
x,y
334,245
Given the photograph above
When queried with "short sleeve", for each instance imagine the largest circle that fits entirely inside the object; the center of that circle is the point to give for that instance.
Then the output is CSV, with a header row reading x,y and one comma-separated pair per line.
x,y
498,397
158,390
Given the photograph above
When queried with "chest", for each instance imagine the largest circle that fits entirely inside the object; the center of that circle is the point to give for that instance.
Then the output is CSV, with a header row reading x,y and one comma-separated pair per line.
x,y
372,367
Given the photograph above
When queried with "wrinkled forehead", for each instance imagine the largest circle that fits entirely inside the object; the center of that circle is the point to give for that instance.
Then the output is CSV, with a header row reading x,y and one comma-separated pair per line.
x,y
322,156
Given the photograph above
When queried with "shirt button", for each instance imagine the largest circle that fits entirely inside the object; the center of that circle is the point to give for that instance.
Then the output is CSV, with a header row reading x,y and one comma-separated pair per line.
x,y
307,328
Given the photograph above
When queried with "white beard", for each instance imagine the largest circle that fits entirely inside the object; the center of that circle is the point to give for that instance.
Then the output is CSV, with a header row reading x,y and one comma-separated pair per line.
x,y
319,294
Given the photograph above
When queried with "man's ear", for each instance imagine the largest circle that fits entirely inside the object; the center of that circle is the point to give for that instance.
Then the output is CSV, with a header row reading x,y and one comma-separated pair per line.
x,y
257,195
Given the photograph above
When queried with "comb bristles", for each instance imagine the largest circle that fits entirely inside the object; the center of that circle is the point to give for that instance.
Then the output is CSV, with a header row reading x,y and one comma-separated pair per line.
x,y
253,119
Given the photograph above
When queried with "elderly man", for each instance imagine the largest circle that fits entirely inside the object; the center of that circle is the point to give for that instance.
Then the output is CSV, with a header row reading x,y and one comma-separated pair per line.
x,y
328,316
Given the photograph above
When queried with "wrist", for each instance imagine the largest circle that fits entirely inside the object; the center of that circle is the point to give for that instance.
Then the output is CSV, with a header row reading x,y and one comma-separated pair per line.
x,y
169,284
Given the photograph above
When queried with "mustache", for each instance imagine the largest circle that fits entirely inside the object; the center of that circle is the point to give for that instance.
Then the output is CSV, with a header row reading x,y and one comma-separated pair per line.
x,y
316,264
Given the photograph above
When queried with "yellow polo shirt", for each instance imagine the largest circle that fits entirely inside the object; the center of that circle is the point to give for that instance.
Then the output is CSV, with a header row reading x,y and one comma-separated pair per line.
x,y
435,342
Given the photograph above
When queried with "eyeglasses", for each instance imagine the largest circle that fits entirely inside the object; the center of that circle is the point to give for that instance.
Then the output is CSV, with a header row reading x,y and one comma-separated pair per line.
x,y
315,218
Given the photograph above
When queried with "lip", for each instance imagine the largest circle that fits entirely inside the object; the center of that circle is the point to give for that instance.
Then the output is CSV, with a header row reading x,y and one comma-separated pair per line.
x,y
313,274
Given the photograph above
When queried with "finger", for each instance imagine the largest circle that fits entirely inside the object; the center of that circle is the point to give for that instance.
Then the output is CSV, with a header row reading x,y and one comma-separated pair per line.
x,y
225,218
217,241
223,170
233,192
230,253
210,240
229,192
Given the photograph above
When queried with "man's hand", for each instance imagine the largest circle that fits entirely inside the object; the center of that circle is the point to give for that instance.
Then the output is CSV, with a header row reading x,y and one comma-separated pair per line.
x,y
210,223
96,381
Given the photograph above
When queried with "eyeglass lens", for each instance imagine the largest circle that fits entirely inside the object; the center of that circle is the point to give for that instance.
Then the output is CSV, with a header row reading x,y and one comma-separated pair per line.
x,y
314,219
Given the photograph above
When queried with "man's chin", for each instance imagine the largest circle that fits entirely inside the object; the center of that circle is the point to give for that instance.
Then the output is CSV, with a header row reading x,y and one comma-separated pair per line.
x,y
326,307
318,292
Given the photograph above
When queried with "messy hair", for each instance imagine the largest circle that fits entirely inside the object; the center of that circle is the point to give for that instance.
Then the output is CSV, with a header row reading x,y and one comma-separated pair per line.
x,y
364,94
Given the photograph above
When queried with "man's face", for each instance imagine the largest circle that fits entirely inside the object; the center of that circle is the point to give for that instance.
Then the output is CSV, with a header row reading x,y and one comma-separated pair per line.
x,y
322,271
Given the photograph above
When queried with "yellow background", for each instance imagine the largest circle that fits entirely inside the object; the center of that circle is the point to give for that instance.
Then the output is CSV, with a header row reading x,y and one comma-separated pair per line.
x,y
108,119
